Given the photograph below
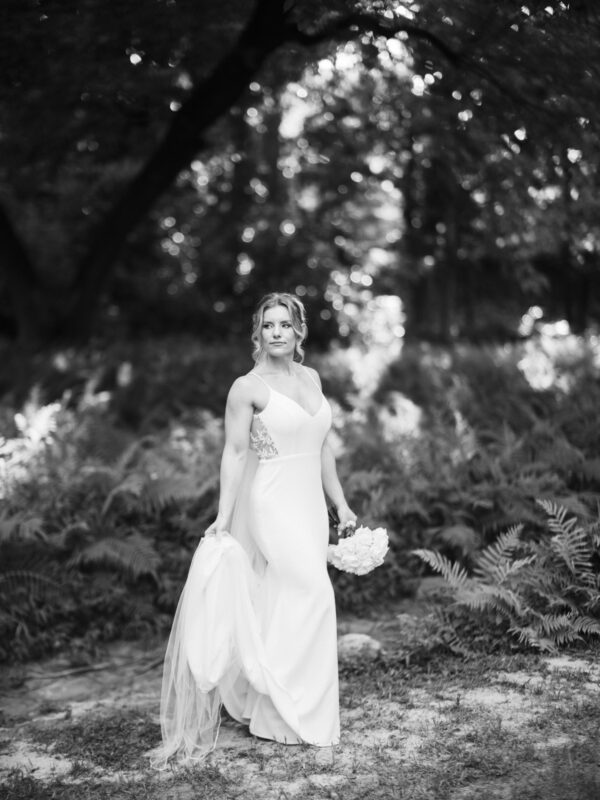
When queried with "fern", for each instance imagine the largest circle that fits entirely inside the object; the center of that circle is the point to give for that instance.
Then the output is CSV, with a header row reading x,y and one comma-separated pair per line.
x,y
21,527
568,628
132,484
570,542
13,580
594,532
586,625
454,574
494,556
547,591
557,515
154,492
504,570
161,491
483,597
133,555
531,637
574,549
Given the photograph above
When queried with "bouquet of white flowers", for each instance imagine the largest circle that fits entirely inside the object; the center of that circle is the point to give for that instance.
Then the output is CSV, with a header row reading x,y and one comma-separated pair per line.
x,y
361,552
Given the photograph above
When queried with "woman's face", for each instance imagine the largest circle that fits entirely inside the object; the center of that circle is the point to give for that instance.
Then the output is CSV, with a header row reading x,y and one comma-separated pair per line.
x,y
277,333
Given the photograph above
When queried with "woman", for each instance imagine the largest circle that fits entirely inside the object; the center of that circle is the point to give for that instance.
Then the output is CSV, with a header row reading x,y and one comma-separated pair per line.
x,y
255,628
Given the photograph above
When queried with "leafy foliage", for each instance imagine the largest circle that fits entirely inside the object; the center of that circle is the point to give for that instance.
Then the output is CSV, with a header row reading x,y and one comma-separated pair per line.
x,y
546,591
453,572
499,190
134,554
108,475
95,559
458,447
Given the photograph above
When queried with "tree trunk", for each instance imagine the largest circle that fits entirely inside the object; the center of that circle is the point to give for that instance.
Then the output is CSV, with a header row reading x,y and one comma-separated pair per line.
x,y
240,194
568,271
22,283
230,214
450,268
264,33
412,287
271,143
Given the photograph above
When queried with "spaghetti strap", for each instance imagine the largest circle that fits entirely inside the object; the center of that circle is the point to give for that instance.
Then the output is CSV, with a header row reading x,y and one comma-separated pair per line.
x,y
268,385
260,378
309,373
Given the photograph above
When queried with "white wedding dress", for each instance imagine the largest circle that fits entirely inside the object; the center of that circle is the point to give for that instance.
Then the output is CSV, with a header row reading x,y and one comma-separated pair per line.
x,y
255,628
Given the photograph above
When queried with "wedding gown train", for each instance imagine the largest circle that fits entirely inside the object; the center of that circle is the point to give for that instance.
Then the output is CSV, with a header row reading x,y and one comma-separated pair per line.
x,y
255,628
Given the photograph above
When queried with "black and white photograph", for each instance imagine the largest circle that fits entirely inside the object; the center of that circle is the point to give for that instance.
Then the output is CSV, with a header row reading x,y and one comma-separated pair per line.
x,y
299,400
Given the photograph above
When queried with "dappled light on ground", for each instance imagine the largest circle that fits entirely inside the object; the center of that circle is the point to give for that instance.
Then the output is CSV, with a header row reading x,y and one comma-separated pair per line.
x,y
457,730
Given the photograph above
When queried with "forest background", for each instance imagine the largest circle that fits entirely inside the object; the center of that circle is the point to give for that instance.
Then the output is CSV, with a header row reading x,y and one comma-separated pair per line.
x,y
424,175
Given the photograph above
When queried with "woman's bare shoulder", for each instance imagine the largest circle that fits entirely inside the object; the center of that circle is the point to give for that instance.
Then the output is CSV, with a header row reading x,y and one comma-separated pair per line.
x,y
313,374
244,389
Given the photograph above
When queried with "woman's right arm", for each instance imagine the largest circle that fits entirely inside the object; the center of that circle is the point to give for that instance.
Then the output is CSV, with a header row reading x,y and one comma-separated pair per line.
x,y
238,419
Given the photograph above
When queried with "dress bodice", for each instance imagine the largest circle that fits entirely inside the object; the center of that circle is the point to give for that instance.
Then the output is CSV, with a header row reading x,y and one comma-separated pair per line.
x,y
283,428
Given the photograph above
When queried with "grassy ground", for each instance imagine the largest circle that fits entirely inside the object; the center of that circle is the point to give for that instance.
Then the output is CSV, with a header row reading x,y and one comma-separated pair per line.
x,y
493,728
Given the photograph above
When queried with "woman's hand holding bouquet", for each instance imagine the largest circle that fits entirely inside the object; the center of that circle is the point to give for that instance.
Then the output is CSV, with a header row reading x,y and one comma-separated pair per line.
x,y
359,550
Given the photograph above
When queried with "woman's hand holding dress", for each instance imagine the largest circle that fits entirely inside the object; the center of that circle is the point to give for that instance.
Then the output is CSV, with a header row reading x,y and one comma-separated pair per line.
x,y
216,528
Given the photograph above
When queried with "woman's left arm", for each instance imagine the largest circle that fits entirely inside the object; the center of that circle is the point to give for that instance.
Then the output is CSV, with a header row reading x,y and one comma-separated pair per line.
x,y
331,482
333,487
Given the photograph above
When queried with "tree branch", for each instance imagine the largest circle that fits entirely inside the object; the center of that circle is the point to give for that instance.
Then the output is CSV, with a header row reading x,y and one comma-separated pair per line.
x,y
369,23
269,27
265,31
381,26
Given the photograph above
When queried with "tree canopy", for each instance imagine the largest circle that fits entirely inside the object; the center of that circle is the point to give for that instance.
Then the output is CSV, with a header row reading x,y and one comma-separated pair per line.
x,y
164,163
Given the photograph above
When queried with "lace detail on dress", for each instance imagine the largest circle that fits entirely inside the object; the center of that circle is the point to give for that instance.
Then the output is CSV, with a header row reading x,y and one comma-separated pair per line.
x,y
260,440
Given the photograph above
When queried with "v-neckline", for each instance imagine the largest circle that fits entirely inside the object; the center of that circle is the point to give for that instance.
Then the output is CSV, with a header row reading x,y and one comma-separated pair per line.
x,y
296,403
287,397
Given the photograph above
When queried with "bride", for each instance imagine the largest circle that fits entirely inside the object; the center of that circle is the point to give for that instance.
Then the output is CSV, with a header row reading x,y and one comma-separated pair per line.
x,y
255,628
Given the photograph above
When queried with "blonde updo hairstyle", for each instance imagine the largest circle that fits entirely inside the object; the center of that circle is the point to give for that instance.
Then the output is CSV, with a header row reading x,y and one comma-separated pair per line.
x,y
297,315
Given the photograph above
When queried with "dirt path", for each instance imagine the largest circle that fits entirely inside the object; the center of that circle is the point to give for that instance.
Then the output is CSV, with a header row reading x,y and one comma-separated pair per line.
x,y
461,730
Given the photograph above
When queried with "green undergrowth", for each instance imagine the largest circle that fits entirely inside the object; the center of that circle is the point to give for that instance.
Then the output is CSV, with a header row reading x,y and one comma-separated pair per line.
x,y
109,465
545,592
